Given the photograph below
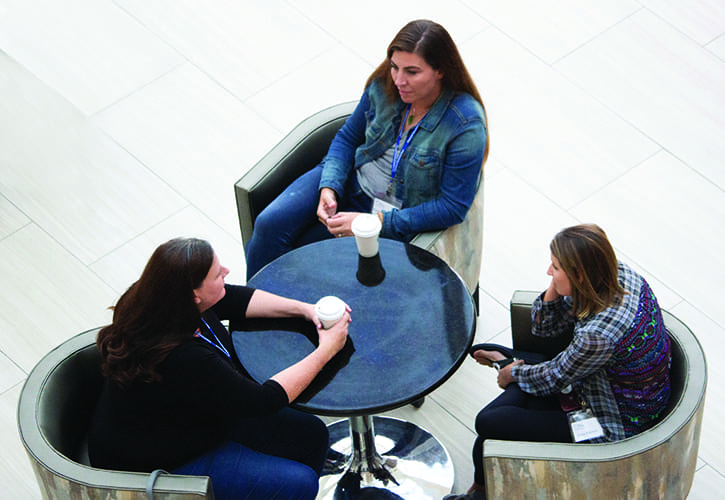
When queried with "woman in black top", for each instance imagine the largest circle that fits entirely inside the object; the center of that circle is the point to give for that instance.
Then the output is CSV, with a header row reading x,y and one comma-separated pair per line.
x,y
176,397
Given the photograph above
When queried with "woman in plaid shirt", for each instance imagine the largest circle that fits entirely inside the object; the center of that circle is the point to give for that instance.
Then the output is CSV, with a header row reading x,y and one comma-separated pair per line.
x,y
617,363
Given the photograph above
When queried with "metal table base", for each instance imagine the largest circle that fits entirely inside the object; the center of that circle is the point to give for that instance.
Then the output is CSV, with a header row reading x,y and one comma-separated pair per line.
x,y
384,458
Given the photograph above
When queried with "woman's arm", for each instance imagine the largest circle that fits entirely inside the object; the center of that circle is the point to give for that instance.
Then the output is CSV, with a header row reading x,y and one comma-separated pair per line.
x,y
297,377
461,170
268,305
340,158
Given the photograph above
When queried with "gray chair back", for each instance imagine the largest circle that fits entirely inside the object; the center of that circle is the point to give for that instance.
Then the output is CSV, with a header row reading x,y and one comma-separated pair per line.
x,y
55,409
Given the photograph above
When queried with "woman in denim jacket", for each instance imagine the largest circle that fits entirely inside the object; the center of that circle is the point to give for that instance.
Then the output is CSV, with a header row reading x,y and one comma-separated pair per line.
x,y
412,152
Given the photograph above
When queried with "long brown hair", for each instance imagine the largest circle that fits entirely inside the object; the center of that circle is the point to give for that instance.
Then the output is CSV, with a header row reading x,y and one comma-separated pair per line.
x,y
434,44
157,313
589,261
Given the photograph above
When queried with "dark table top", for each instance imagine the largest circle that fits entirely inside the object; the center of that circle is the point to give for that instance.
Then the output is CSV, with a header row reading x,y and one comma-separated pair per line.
x,y
408,334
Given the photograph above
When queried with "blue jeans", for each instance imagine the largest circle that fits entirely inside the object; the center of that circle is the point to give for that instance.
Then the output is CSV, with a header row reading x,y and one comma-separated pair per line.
x,y
290,221
276,457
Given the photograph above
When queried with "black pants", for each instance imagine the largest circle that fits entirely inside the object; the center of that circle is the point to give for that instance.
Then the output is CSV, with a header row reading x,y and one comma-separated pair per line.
x,y
518,416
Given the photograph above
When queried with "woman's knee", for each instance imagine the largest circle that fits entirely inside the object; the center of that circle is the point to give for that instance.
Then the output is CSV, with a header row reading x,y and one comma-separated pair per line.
x,y
304,484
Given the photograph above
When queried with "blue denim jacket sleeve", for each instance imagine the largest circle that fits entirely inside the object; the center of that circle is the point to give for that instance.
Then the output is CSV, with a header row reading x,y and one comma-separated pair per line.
x,y
440,170
339,162
441,173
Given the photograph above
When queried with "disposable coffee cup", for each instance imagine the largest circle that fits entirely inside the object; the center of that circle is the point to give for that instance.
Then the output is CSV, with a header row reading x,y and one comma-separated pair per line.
x,y
366,228
329,310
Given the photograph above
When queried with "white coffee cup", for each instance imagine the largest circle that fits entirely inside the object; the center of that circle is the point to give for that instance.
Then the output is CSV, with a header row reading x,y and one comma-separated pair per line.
x,y
366,228
329,310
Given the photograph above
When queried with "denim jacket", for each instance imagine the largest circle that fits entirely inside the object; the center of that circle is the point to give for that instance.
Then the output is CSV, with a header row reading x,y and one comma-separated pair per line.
x,y
439,171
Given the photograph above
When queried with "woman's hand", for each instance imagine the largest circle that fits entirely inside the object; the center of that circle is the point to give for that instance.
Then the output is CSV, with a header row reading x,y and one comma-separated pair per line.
x,y
327,207
551,293
297,377
340,224
333,339
504,374
310,314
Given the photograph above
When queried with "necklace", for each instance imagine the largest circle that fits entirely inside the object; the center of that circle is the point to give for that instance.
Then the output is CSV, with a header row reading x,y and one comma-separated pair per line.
x,y
411,115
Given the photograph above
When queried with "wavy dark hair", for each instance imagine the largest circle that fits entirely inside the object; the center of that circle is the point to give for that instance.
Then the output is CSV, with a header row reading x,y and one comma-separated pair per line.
x,y
157,313
434,44
589,261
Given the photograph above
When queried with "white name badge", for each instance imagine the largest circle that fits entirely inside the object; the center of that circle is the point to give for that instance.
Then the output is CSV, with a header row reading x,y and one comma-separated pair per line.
x,y
584,425
382,206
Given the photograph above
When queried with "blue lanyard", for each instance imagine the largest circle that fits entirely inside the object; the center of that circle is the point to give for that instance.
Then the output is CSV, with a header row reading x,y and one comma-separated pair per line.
x,y
397,155
218,344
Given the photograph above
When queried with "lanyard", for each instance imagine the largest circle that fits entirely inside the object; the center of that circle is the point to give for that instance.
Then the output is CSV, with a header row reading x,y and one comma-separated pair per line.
x,y
397,155
216,344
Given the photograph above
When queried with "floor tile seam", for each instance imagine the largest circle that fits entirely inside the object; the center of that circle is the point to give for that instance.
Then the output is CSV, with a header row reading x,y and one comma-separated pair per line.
x,y
432,396
138,89
16,230
16,386
665,20
604,31
246,100
294,6
144,232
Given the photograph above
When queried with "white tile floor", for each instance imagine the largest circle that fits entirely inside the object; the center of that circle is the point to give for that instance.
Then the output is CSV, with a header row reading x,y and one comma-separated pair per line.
x,y
124,123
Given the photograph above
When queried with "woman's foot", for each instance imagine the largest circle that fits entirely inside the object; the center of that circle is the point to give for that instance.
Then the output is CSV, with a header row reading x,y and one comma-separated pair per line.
x,y
487,358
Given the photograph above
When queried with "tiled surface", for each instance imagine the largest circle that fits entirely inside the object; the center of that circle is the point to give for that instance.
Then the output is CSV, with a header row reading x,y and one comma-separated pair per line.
x,y
125,123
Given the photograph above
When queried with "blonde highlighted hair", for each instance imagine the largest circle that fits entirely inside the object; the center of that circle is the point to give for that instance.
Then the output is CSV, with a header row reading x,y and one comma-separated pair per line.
x,y
588,259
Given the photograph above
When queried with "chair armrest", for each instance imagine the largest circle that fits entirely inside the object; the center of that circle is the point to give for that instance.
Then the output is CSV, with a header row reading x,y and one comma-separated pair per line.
x,y
300,151
460,246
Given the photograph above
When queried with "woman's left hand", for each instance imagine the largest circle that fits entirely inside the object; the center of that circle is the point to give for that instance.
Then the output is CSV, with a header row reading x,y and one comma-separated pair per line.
x,y
340,224
504,374
310,314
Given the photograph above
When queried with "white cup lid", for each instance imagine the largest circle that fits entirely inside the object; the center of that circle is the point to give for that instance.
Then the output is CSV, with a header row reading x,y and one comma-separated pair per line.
x,y
329,307
366,225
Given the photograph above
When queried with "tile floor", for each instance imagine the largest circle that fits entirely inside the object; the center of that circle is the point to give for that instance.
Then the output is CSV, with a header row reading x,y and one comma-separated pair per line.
x,y
124,123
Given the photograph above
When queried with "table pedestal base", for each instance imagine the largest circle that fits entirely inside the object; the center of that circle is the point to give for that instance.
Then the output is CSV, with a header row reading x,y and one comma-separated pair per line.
x,y
384,458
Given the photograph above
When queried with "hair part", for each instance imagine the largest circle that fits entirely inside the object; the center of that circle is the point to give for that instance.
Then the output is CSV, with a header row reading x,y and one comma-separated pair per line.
x,y
157,313
589,261
434,44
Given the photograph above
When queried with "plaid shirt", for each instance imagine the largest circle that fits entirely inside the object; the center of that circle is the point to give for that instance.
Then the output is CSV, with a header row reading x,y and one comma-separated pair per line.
x,y
582,364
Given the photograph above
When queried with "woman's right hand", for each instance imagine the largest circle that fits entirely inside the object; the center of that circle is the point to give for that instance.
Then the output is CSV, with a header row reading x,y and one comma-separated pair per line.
x,y
333,339
327,207
551,293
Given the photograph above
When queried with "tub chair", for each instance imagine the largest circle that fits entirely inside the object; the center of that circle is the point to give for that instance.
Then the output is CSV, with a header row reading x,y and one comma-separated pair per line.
x,y
658,463
54,413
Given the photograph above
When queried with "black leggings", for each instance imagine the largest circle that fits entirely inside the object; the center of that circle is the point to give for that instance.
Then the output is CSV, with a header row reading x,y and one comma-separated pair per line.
x,y
518,416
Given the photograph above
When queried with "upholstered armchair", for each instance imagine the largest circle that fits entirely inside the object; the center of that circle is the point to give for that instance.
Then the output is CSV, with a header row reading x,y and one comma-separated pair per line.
x,y
304,147
659,463
54,413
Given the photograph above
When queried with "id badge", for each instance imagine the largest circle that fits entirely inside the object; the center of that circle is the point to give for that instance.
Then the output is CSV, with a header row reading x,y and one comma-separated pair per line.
x,y
584,425
382,206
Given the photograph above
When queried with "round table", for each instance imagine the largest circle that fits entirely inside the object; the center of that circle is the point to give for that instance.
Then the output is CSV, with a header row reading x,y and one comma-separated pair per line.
x,y
408,335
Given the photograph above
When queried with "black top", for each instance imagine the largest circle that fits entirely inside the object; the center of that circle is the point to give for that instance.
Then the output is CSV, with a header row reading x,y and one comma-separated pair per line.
x,y
408,334
164,425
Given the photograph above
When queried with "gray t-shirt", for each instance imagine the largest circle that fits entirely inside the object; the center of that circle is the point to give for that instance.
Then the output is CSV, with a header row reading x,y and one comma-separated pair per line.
x,y
374,178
